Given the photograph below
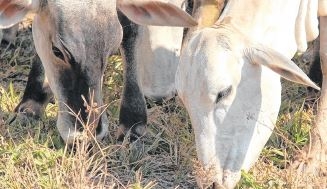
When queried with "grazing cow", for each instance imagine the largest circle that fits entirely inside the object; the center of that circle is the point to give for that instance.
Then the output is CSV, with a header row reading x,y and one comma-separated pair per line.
x,y
152,54
73,40
229,79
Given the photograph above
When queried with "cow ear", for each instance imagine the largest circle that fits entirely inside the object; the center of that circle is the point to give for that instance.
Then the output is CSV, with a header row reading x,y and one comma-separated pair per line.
x,y
13,11
279,64
155,13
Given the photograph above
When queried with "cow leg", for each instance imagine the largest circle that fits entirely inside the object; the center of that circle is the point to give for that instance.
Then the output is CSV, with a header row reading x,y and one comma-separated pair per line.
x,y
133,116
319,139
37,92
318,146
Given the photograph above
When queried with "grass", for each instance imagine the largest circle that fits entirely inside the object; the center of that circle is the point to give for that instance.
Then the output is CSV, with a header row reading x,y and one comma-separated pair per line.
x,y
32,154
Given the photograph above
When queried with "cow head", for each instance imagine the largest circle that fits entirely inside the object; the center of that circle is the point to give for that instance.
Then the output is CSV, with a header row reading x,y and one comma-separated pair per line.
x,y
229,81
73,39
233,101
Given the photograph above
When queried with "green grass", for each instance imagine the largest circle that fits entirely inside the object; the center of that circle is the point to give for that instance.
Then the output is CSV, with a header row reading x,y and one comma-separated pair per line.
x,y
34,156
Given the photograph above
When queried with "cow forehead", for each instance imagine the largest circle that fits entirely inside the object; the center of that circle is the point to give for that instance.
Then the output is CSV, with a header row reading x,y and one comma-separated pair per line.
x,y
76,8
85,27
77,5
82,14
214,54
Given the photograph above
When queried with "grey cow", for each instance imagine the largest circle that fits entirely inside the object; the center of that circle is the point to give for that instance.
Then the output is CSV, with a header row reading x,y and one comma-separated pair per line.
x,y
73,39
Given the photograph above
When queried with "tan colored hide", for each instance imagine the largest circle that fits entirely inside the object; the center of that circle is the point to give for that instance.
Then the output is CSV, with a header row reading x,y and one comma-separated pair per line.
x,y
322,10
207,12
317,148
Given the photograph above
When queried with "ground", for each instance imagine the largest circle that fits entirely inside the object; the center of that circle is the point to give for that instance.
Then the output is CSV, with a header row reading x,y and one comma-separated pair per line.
x,y
32,154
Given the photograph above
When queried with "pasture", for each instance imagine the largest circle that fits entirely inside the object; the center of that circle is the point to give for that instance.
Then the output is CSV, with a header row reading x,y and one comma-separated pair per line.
x,y
32,154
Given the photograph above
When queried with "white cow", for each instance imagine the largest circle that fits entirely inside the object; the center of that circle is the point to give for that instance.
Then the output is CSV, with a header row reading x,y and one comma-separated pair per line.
x,y
229,80
156,55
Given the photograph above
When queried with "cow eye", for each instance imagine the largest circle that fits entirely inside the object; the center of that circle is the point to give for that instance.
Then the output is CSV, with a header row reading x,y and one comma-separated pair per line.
x,y
223,94
57,52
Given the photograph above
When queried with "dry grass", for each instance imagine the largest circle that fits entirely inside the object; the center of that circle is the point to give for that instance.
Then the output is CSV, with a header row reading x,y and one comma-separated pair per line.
x,y
32,155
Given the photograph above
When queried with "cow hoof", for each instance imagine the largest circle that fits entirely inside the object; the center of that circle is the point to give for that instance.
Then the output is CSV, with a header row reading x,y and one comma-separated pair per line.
x,y
20,119
30,108
133,134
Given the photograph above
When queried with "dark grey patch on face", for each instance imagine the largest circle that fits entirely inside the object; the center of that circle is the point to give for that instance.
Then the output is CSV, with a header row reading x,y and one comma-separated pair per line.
x,y
250,116
74,84
224,42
